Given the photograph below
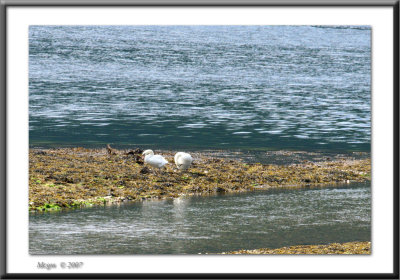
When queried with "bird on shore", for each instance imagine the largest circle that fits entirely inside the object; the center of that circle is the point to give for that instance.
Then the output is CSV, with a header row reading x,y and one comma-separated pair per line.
x,y
137,155
183,160
156,161
111,151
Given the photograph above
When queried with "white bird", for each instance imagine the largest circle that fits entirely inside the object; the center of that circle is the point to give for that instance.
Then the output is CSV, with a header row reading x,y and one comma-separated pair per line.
x,y
183,160
153,160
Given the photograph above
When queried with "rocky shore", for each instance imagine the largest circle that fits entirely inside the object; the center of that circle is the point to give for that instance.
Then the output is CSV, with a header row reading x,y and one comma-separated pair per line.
x,y
349,248
77,177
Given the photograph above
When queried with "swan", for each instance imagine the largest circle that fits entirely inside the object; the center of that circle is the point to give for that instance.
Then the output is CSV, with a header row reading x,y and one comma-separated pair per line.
x,y
183,160
153,160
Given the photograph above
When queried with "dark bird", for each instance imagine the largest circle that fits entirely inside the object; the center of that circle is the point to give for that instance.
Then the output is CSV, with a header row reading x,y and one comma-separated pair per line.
x,y
110,150
137,155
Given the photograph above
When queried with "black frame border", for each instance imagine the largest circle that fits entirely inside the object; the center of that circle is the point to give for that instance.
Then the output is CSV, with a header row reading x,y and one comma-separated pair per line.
x,y
4,4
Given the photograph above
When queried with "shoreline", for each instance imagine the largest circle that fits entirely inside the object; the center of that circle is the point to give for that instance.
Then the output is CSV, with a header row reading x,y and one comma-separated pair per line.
x,y
347,248
77,177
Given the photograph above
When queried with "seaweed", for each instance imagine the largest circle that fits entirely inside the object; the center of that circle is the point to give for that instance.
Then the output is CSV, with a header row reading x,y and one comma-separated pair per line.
x,y
349,248
80,177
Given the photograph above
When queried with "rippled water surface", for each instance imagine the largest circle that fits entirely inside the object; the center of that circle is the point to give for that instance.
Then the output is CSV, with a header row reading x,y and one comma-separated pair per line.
x,y
280,87
214,224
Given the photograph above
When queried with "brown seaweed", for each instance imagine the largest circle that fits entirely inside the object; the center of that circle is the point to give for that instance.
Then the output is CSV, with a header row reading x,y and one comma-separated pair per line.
x,y
75,177
349,248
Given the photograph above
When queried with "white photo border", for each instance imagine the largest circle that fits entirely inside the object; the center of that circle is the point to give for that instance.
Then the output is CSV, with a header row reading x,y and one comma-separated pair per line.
x,y
379,18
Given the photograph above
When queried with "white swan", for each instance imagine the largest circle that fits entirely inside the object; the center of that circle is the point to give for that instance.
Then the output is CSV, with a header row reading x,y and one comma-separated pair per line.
x,y
156,161
183,160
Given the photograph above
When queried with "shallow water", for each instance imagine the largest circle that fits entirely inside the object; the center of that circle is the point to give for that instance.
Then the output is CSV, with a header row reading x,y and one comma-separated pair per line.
x,y
273,218
274,87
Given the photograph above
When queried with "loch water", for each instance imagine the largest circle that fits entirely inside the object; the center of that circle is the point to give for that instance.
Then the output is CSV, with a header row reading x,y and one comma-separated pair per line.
x,y
213,224
222,87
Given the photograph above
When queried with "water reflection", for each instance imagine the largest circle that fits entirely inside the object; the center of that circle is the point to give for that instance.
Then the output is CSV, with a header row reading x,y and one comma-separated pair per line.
x,y
213,224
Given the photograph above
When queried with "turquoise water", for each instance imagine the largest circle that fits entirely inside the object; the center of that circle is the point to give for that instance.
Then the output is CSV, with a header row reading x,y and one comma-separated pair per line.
x,y
220,87
214,224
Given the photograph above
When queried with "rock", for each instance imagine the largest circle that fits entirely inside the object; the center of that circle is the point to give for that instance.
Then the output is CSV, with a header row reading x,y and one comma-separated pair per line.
x,y
144,170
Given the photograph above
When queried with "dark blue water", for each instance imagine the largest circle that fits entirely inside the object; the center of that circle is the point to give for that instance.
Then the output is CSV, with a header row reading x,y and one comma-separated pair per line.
x,y
264,87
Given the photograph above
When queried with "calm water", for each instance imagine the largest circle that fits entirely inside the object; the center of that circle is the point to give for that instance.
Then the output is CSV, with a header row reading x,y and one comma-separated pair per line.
x,y
272,87
214,224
